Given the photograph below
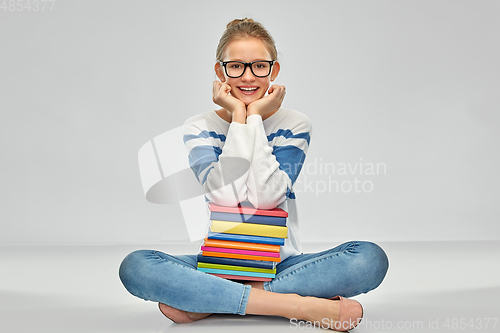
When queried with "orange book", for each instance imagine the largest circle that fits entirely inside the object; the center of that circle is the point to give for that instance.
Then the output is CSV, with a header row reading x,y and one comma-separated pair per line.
x,y
241,245
239,256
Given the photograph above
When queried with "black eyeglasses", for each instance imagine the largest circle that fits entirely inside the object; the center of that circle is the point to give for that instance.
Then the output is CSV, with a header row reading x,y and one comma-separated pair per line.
x,y
235,69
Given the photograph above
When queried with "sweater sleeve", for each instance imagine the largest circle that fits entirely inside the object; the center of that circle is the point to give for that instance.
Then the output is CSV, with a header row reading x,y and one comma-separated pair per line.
x,y
275,167
220,162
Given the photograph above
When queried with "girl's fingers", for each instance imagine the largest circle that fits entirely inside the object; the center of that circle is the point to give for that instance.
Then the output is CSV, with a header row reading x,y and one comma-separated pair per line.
x,y
276,88
226,87
216,88
278,92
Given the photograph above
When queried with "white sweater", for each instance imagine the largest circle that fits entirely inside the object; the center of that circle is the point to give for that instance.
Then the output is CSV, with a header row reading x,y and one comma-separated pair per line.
x,y
256,162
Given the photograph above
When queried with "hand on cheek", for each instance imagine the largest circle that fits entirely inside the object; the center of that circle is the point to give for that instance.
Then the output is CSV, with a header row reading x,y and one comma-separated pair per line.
x,y
221,96
269,103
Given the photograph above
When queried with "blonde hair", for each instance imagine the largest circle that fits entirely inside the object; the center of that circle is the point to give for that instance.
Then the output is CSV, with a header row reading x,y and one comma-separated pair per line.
x,y
241,28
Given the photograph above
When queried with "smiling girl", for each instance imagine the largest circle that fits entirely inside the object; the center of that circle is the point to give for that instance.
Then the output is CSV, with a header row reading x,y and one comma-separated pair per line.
x,y
251,151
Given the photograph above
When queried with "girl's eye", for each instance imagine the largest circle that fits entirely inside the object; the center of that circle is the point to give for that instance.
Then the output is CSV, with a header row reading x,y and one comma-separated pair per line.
x,y
235,66
260,65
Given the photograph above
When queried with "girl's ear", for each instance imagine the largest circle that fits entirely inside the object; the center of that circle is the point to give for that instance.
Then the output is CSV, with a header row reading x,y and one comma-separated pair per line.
x,y
275,71
220,72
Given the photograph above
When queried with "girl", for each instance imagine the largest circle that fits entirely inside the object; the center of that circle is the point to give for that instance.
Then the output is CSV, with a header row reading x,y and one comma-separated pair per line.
x,y
252,150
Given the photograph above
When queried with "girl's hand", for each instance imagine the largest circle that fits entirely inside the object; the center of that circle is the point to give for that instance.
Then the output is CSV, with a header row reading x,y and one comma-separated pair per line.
x,y
222,97
270,103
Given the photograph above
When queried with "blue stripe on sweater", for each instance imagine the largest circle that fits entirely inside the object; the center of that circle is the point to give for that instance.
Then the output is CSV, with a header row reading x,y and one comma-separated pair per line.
x,y
206,175
291,159
200,157
289,135
204,135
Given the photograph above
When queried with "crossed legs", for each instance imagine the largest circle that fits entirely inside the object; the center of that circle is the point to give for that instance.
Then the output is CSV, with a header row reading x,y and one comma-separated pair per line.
x,y
301,289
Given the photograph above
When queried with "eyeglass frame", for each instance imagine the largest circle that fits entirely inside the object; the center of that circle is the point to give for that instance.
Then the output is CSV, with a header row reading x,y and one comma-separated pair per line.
x,y
247,64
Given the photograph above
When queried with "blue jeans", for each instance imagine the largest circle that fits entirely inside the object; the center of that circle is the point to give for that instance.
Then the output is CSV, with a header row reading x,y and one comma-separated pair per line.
x,y
347,270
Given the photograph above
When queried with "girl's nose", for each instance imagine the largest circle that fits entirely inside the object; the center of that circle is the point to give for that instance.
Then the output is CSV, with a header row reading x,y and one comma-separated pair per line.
x,y
247,75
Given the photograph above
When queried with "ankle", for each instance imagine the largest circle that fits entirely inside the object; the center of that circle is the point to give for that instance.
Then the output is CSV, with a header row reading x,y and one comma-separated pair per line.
x,y
300,307
256,284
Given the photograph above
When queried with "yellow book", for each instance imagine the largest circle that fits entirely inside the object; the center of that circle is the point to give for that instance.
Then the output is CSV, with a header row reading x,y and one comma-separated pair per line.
x,y
249,229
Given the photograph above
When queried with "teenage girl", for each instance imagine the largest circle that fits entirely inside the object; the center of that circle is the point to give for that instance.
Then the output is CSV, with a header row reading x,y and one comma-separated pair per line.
x,y
252,150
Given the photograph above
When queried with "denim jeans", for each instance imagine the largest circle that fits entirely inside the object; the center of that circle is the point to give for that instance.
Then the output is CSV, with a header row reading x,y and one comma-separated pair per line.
x,y
347,270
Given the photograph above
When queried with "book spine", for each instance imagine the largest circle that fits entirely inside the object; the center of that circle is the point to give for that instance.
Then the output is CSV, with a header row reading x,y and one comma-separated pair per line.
x,y
248,229
235,251
248,210
241,245
246,238
239,256
239,273
236,268
245,218
246,278
237,262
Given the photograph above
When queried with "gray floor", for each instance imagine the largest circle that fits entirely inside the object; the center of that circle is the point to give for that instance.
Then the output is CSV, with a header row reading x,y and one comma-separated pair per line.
x,y
430,286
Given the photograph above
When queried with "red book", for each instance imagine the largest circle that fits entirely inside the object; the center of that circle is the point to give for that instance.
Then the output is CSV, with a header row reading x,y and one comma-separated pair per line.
x,y
248,210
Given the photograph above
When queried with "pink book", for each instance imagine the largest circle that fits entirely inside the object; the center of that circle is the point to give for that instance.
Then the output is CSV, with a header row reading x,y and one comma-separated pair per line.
x,y
236,251
248,210
238,277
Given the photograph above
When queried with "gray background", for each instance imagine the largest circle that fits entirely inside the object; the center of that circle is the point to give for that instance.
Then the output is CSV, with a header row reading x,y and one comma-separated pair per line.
x,y
410,84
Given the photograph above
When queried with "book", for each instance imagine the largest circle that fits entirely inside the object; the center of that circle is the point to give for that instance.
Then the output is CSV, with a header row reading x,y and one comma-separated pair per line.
x,y
258,219
246,238
240,273
249,210
236,251
241,245
238,256
236,268
248,229
245,278
236,262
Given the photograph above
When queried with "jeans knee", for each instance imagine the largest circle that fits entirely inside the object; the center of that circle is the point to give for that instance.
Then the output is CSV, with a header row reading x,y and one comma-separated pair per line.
x,y
130,268
376,263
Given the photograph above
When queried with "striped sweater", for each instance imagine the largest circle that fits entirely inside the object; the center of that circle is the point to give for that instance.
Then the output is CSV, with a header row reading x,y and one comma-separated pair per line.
x,y
256,162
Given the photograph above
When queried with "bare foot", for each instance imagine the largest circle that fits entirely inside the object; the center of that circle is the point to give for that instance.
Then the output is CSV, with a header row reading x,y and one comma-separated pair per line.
x,y
179,316
339,314
322,312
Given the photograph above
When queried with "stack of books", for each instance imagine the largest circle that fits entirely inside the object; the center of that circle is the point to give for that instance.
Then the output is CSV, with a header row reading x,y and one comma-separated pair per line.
x,y
243,242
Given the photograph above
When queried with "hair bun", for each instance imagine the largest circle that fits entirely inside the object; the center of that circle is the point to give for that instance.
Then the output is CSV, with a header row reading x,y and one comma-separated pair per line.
x,y
239,21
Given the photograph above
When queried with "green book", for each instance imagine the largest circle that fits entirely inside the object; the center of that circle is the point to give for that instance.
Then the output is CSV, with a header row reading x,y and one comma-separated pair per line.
x,y
238,273
236,268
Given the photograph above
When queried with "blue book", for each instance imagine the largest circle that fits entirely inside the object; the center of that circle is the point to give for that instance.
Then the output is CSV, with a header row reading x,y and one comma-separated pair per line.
x,y
246,238
240,273
258,219
237,262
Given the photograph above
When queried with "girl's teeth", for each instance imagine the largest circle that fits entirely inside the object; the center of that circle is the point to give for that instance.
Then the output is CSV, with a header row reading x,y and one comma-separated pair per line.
x,y
248,89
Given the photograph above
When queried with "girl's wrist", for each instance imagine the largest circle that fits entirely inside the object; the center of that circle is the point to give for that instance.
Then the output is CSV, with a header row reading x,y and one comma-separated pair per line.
x,y
239,116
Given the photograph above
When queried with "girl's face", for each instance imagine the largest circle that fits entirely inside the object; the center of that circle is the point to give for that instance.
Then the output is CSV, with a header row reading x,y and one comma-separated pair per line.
x,y
247,88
